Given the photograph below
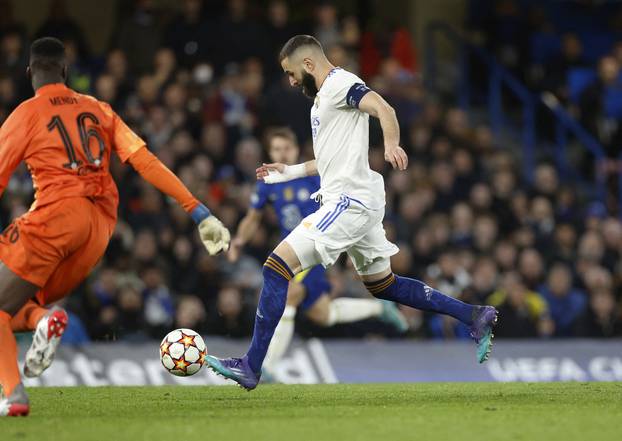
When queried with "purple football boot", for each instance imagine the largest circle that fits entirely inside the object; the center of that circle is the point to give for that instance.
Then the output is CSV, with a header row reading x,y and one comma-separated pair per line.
x,y
236,369
484,319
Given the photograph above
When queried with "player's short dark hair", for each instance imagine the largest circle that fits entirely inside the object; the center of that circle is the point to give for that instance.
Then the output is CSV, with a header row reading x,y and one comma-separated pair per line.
x,y
280,132
47,54
296,42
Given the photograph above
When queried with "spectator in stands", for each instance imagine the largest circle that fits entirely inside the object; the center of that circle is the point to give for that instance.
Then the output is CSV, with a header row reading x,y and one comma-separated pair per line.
x,y
327,29
279,28
484,281
191,314
594,116
191,35
8,23
556,71
244,37
602,318
61,25
13,54
524,312
139,36
566,304
231,317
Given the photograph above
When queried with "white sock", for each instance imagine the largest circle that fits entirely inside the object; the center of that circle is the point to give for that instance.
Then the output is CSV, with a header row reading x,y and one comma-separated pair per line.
x,y
347,310
282,338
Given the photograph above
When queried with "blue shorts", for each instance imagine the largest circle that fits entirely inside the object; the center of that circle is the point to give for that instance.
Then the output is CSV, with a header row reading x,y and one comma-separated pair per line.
x,y
316,284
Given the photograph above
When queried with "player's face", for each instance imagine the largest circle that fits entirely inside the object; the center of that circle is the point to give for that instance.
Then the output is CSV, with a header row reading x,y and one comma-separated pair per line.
x,y
299,77
283,150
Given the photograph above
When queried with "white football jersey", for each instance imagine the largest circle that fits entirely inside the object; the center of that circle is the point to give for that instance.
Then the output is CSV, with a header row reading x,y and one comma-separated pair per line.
x,y
341,142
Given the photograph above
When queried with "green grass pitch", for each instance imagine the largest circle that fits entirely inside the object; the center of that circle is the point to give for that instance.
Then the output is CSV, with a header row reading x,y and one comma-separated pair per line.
x,y
430,412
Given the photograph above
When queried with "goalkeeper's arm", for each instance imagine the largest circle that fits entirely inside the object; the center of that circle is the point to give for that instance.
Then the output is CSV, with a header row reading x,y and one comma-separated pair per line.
x,y
277,172
214,235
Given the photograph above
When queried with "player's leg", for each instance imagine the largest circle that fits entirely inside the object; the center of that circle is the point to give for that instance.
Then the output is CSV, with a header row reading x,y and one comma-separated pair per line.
x,y
28,316
69,273
382,283
278,270
48,325
324,311
280,267
14,293
295,253
330,312
371,258
284,331
303,248
26,262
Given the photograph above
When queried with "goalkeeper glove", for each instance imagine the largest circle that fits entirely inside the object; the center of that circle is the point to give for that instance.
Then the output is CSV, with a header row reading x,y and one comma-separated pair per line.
x,y
212,232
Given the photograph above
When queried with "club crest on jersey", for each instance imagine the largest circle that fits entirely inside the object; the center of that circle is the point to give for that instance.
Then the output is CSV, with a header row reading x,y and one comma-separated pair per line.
x,y
288,193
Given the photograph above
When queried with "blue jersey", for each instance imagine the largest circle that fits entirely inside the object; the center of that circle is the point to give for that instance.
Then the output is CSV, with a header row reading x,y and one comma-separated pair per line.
x,y
290,200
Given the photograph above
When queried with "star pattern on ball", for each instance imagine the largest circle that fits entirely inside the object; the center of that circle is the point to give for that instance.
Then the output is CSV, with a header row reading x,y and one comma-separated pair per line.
x,y
181,364
187,340
164,347
202,357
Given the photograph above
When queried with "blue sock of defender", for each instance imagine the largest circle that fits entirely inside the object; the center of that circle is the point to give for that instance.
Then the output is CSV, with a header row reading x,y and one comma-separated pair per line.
x,y
411,292
276,277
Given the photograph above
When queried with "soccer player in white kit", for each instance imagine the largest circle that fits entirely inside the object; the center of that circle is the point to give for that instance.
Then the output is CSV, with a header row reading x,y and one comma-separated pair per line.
x,y
352,211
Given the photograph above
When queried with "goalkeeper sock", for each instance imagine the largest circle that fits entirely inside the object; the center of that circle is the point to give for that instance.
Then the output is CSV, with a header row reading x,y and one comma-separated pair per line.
x,y
411,292
276,277
9,371
283,335
346,310
28,317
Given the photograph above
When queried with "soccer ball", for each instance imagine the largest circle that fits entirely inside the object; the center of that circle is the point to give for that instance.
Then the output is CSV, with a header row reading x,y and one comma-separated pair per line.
x,y
183,352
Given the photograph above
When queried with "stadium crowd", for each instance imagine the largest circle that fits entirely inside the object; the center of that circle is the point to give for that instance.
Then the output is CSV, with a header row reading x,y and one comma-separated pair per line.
x,y
202,84
572,50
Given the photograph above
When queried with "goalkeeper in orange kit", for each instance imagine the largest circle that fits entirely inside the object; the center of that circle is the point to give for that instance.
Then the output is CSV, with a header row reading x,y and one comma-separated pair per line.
x,y
66,140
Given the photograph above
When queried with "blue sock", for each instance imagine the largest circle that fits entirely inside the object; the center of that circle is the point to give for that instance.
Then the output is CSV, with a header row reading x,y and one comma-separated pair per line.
x,y
276,277
411,292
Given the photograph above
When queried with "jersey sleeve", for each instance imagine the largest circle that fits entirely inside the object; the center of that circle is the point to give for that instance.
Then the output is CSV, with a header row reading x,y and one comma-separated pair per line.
x,y
259,198
158,175
14,139
125,142
348,91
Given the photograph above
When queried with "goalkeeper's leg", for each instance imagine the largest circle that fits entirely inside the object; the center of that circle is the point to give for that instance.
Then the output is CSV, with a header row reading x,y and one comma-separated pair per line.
x,y
27,317
14,293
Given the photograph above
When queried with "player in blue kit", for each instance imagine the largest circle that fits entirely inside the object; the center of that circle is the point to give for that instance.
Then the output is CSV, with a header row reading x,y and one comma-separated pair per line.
x,y
309,290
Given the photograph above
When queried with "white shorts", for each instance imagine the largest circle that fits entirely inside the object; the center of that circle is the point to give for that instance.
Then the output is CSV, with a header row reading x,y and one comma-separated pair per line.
x,y
346,226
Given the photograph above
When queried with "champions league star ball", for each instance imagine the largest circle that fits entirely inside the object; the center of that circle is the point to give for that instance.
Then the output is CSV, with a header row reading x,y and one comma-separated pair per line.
x,y
183,352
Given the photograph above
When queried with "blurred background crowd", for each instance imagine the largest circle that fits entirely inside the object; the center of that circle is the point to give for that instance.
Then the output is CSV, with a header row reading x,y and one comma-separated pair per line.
x,y
200,82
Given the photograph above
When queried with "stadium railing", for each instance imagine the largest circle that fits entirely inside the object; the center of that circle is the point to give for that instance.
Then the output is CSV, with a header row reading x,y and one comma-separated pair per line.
x,y
503,86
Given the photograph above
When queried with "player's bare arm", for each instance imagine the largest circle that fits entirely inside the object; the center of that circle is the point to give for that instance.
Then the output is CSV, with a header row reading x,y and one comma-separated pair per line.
x,y
247,229
376,106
